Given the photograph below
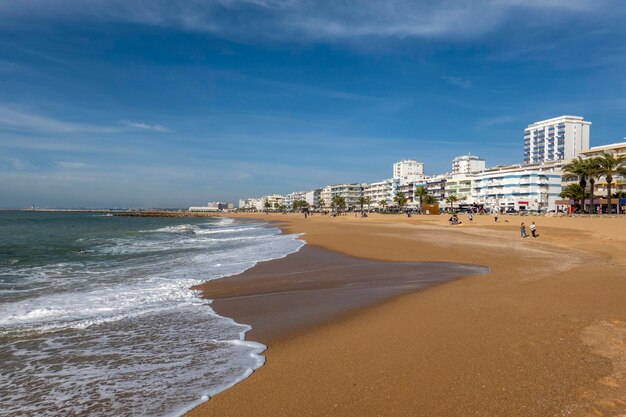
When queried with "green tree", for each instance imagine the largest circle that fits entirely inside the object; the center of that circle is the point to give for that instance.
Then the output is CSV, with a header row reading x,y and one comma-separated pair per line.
x,y
382,203
361,201
593,172
276,206
451,199
578,169
368,201
573,192
338,203
267,205
400,199
608,166
420,192
430,199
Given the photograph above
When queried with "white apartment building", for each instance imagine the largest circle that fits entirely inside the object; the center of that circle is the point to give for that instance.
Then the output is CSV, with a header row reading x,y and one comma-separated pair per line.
x,y
518,187
350,192
213,206
460,186
408,170
408,189
560,138
252,204
619,181
292,197
325,196
312,198
275,200
436,186
467,164
379,191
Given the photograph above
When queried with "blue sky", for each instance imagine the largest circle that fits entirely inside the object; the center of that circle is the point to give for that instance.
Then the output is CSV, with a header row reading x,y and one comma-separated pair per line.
x,y
175,103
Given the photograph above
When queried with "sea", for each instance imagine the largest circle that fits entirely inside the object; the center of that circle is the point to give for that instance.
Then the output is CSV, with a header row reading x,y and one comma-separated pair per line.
x,y
98,318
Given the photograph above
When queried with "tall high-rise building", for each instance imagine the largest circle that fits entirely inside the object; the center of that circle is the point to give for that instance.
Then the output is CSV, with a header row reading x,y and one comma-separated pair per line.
x,y
467,164
555,139
408,170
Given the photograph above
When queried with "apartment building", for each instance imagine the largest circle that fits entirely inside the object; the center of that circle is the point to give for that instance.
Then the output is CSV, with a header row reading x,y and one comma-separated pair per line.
x,y
518,187
408,170
619,181
460,186
557,139
467,164
252,204
379,191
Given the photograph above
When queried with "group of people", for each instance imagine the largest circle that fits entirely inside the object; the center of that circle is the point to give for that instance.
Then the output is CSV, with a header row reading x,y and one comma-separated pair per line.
x,y
533,230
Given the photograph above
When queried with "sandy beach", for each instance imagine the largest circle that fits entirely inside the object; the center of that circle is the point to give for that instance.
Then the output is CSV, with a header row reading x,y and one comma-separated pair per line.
x,y
541,333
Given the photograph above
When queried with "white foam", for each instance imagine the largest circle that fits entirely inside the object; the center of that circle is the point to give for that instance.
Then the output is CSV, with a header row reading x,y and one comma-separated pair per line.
x,y
131,326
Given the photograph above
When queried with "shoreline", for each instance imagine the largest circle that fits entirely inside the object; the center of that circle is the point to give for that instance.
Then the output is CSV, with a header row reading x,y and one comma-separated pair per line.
x,y
314,286
576,251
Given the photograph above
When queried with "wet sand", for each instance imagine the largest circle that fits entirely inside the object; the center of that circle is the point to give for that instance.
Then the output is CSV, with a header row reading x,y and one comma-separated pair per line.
x,y
313,286
542,334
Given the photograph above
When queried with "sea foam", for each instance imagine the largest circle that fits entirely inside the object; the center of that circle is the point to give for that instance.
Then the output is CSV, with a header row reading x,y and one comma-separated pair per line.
x,y
121,329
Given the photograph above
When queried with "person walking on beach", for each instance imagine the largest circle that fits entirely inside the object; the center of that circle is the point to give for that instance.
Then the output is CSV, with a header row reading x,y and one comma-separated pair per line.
x,y
470,216
495,215
533,229
523,230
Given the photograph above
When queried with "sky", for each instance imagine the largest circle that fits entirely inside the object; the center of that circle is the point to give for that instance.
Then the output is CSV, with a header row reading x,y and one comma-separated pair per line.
x,y
134,103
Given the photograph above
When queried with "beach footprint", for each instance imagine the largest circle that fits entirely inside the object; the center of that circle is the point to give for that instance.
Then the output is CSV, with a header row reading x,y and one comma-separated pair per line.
x,y
607,396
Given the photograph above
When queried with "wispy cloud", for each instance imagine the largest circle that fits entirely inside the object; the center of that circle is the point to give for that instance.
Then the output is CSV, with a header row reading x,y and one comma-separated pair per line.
x,y
20,120
18,164
492,121
303,19
146,126
458,82
73,165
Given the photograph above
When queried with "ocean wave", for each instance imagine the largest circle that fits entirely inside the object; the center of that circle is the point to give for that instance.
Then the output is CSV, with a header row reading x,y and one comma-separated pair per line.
x,y
122,330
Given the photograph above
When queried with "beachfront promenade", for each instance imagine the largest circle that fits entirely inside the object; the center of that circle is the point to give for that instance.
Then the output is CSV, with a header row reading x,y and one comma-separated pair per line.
x,y
543,333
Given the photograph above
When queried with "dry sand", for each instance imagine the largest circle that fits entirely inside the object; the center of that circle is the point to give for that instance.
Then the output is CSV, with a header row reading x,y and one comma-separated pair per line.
x,y
542,334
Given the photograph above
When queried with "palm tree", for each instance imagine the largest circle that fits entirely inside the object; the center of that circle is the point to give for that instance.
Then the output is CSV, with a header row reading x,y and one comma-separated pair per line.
x,y
420,192
451,199
368,201
400,199
577,169
430,199
361,202
338,203
382,203
573,192
608,166
267,205
593,172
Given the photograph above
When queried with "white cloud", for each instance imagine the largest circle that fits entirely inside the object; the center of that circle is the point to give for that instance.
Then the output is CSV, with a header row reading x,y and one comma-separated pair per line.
x,y
458,82
304,19
492,121
146,126
73,165
18,163
13,119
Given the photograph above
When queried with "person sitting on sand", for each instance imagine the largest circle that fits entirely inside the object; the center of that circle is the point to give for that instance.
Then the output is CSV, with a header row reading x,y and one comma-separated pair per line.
x,y
454,220
523,230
